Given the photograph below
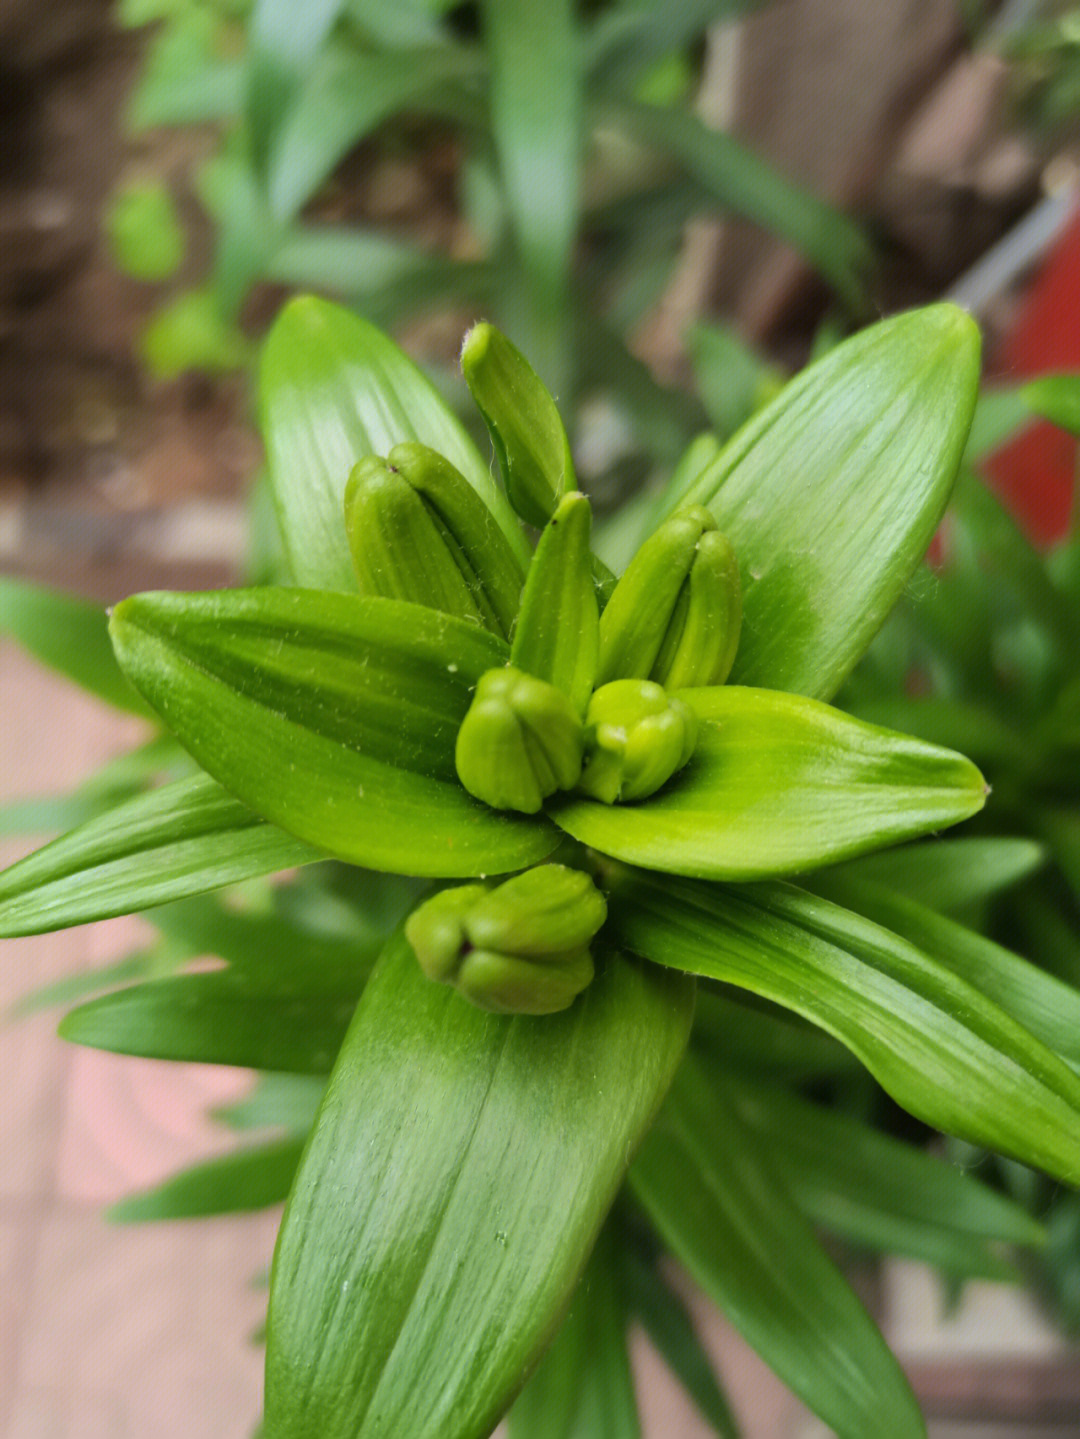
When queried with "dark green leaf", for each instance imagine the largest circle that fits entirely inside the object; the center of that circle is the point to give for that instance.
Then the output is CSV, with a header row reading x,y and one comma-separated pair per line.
x,y
671,1330
222,1018
479,1154
707,1185
68,634
344,97
247,1179
334,389
181,839
332,715
752,1037
832,493
942,1049
1038,1001
747,186
536,123
780,783
878,1191
583,1388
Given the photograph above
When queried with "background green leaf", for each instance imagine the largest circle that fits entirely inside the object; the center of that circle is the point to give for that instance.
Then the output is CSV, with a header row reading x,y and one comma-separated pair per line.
x,y
247,1179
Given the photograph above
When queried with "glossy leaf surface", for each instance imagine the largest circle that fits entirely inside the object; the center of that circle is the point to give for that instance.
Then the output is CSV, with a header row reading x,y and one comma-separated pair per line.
x,y
709,1189
332,715
780,783
941,1049
832,493
181,839
459,1171
332,390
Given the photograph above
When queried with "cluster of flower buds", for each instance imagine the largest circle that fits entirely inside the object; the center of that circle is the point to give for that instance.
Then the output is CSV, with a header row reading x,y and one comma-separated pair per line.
x,y
520,947
587,702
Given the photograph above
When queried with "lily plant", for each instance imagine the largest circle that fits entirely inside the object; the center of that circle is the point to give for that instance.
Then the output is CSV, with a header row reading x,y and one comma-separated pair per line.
x,y
611,784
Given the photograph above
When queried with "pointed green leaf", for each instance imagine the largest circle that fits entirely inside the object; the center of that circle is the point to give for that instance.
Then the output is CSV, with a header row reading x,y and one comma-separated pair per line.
x,y
68,634
874,1190
259,1022
332,390
279,1101
670,1328
942,1049
73,988
708,1187
832,493
583,1388
1039,1001
746,185
948,874
285,40
247,1179
557,633
458,1174
1056,398
332,715
779,783
181,839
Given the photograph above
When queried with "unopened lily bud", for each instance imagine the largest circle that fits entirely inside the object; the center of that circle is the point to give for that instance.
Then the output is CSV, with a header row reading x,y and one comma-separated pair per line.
x,y
523,421
645,604
520,741
418,531
636,737
702,635
521,947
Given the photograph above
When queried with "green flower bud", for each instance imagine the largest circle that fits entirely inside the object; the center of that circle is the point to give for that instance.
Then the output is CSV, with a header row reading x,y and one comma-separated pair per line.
x,y
636,737
521,947
523,421
418,531
520,741
702,635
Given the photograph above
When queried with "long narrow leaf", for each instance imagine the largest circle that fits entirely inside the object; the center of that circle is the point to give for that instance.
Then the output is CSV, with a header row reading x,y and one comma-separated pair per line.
x,y
332,715
942,1049
248,1179
181,839
583,1388
456,1180
948,874
780,783
707,1185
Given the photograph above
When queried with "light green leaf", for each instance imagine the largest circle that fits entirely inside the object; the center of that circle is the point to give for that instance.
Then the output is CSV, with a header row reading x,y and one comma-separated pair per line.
x,y
187,78
707,1185
832,493
1000,413
224,1017
145,236
247,1179
181,839
332,715
747,186
583,1388
70,635
479,1155
881,1192
949,874
285,40
1035,999
344,97
73,988
780,783
670,1328
282,1101
334,389
934,1042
